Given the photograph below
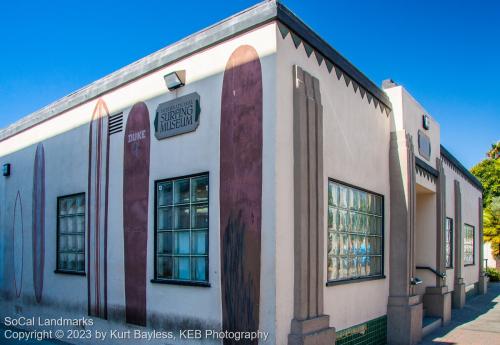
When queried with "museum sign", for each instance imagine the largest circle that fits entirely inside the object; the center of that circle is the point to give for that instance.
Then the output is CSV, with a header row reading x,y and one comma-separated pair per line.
x,y
181,115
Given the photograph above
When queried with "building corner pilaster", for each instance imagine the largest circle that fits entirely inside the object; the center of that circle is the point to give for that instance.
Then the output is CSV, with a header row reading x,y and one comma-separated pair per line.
x,y
404,308
310,326
437,300
458,295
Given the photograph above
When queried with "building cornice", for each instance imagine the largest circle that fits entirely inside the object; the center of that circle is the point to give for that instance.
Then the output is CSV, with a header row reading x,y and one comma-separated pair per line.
x,y
460,168
426,167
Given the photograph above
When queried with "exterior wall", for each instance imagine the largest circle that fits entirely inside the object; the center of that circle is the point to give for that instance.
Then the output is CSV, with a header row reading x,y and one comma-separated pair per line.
x,y
407,114
356,144
470,215
59,291
66,147
356,151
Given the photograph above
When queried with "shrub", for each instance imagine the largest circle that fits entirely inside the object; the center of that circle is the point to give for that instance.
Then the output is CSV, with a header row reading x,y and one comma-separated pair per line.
x,y
493,274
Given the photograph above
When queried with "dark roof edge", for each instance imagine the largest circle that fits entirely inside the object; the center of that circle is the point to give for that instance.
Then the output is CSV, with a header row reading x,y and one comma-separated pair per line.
x,y
420,163
456,163
226,29
305,32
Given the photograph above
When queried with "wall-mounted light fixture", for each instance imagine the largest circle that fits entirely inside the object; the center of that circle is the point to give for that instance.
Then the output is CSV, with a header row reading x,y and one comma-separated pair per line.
x,y
6,169
175,80
426,122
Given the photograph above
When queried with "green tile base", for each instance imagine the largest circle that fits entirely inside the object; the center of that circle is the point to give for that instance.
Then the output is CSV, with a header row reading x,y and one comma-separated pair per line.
x,y
373,332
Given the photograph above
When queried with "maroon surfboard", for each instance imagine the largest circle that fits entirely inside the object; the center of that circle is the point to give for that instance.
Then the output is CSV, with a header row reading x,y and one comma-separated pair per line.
x,y
18,244
241,190
97,211
38,226
135,211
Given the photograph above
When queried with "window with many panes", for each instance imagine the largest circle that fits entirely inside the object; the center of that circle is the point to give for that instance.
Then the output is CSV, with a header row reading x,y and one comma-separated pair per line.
x,y
355,233
448,242
468,244
181,252
71,233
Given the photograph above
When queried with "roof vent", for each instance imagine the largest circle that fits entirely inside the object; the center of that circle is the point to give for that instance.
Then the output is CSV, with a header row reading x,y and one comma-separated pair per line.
x,y
115,124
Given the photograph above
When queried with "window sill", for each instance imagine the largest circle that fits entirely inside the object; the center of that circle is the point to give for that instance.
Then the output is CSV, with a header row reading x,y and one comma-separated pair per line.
x,y
465,265
180,282
73,273
353,280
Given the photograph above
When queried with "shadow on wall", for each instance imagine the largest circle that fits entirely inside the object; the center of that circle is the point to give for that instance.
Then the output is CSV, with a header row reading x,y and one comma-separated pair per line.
x,y
240,234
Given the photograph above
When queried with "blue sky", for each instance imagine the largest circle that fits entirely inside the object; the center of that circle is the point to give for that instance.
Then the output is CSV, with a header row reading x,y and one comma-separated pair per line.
x,y
446,53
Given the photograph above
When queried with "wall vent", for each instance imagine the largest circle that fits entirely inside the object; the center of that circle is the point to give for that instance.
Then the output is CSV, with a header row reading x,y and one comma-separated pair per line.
x,y
115,124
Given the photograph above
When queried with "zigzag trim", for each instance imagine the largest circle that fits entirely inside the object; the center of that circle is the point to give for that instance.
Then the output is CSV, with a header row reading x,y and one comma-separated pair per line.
x,y
298,41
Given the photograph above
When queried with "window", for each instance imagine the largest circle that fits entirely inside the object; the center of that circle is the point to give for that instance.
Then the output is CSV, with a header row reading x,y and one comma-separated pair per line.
x,y
448,242
355,233
71,234
468,244
181,238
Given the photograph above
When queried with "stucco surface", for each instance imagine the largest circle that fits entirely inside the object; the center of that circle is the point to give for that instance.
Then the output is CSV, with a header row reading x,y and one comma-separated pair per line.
x,y
470,215
356,144
65,140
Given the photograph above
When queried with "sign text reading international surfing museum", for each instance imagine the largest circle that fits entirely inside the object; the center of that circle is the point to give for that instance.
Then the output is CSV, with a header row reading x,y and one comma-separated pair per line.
x,y
178,116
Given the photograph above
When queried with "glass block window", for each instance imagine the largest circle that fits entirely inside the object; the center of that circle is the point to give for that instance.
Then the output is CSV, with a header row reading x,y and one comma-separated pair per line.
x,y
448,242
182,229
355,233
71,233
468,244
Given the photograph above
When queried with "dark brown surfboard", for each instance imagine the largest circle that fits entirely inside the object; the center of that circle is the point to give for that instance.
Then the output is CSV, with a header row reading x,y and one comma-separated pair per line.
x,y
38,229
241,190
97,211
135,211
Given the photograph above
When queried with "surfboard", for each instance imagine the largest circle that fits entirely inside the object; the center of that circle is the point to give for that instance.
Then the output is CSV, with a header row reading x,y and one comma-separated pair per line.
x,y
97,211
241,190
38,228
135,211
18,244
4,256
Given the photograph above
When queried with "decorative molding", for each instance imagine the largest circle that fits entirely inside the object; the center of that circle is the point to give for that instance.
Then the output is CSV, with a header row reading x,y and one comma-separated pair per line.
x,y
458,232
455,165
440,222
425,170
424,173
349,80
309,324
404,307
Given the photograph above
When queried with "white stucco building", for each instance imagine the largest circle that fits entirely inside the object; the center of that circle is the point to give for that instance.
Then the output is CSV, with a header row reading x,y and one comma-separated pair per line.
x,y
246,178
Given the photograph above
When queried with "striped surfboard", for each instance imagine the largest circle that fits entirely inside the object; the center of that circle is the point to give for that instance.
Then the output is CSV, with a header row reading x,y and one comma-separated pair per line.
x,y
97,211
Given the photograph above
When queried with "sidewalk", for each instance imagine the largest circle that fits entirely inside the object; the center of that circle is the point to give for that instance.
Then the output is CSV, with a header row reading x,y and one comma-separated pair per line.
x,y
478,323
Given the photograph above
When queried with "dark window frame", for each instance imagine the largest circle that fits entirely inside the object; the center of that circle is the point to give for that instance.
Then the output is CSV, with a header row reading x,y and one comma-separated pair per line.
x,y
382,246
155,235
64,271
452,237
473,245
